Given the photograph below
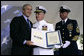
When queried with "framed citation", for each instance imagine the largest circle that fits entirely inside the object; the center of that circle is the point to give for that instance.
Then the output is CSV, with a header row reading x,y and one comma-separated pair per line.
x,y
53,38
45,39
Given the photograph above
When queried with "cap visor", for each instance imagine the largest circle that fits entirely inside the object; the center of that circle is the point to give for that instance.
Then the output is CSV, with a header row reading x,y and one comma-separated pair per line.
x,y
37,11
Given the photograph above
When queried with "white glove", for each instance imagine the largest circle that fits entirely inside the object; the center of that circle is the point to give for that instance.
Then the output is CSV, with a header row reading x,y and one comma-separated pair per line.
x,y
57,46
66,44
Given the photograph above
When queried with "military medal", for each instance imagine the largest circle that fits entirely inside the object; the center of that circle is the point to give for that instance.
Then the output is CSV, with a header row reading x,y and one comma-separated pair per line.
x,y
44,27
77,30
70,34
70,27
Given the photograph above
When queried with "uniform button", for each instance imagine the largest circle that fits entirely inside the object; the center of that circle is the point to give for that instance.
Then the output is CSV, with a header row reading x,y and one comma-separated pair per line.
x,y
63,41
70,35
63,33
62,29
70,32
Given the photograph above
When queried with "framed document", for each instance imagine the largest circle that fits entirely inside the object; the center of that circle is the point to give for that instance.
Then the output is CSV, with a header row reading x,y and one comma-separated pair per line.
x,y
53,38
45,39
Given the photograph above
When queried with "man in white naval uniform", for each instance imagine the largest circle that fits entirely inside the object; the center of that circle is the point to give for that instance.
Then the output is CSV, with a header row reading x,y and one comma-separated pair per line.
x,y
41,24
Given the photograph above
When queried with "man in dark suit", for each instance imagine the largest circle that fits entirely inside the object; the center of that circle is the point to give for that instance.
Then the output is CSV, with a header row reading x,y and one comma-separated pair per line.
x,y
20,32
69,32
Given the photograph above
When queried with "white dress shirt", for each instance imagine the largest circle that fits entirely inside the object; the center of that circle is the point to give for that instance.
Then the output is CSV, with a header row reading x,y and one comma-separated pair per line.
x,y
65,20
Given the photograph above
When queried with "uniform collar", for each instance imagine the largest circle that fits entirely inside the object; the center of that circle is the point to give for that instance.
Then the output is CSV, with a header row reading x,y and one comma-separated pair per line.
x,y
65,20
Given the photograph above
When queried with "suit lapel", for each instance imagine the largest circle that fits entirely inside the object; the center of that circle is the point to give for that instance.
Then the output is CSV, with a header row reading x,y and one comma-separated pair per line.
x,y
68,21
24,21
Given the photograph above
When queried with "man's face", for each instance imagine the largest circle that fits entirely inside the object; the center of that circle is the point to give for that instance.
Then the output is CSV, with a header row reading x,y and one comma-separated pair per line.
x,y
40,16
63,15
27,11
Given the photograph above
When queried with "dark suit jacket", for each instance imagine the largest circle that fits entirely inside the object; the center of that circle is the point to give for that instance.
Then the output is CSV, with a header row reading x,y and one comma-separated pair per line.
x,y
19,31
69,35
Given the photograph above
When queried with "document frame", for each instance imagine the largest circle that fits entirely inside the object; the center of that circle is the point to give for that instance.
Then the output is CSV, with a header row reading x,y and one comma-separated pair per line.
x,y
51,45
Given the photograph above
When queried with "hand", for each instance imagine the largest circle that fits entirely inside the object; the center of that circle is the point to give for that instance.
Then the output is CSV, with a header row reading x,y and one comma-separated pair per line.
x,y
29,43
66,44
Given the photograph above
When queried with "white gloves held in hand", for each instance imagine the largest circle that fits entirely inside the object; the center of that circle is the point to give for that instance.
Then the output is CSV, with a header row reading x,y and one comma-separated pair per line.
x,y
67,43
57,46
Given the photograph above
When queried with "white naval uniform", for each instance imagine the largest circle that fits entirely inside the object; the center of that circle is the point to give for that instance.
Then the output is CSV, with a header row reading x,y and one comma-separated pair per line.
x,y
39,50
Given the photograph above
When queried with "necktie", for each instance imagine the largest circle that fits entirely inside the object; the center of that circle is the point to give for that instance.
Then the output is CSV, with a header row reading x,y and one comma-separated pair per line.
x,y
29,24
63,22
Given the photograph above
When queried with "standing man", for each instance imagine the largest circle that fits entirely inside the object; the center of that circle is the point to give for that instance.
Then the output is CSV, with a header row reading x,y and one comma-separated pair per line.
x,y
41,24
69,32
20,32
